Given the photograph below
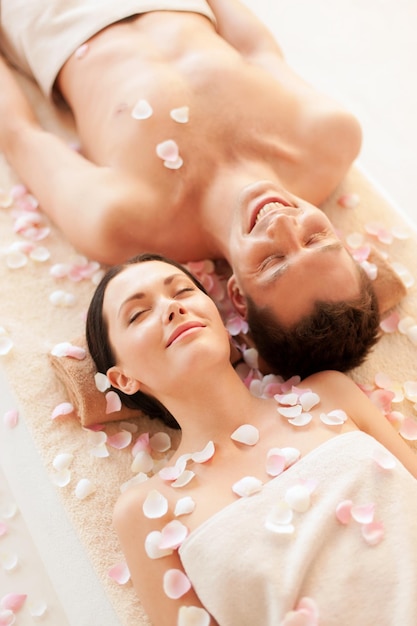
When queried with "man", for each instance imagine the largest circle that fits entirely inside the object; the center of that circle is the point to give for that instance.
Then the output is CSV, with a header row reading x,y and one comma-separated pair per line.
x,y
197,142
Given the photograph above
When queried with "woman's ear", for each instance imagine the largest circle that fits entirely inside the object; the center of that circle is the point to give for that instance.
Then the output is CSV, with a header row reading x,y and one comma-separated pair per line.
x,y
122,382
237,296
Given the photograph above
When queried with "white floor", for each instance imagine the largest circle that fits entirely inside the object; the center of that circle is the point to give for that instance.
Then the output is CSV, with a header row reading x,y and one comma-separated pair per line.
x,y
364,53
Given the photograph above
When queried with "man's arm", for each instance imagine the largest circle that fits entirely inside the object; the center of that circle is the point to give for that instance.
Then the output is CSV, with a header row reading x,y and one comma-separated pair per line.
x,y
243,30
79,197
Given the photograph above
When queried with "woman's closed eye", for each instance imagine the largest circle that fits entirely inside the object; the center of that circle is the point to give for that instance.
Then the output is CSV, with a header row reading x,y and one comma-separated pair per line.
x,y
135,315
180,292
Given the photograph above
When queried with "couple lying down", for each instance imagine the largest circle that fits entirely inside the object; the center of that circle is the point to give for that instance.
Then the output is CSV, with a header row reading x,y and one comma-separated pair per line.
x,y
296,509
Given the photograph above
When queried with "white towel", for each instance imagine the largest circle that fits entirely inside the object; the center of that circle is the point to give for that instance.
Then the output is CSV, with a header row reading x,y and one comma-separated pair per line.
x,y
246,574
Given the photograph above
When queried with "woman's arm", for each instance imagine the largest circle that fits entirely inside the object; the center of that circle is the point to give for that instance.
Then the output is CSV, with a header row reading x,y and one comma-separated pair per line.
x,y
147,574
369,419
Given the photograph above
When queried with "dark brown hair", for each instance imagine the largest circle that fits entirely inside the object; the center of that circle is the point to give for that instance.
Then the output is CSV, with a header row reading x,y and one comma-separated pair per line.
x,y
99,345
335,336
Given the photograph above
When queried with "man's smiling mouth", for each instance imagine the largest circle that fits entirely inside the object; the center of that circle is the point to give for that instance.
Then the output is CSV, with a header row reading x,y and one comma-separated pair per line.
x,y
266,208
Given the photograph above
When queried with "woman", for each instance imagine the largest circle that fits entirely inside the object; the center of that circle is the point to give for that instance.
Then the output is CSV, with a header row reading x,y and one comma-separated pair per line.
x,y
303,516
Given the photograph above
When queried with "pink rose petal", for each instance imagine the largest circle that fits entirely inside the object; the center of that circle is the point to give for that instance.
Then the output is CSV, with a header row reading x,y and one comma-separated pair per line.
x,y
7,618
8,561
308,400
333,418
290,454
390,323
142,110
236,325
62,478
205,454
155,505
152,548
287,399
363,513
410,390
143,462
172,535
373,533
141,444
290,411
361,252
298,497
61,298
193,616
301,420
383,381
120,573
183,479
184,506
408,429
168,150
97,437
160,442
170,473
11,418
120,440
84,488
175,584
66,348
6,343
246,434
348,200
275,464
305,614
38,609
16,259
65,408
180,115
81,51
113,402
3,529
13,601
62,461
343,511
382,399
247,486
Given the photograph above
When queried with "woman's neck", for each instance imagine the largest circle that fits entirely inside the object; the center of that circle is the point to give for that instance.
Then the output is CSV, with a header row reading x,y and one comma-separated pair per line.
x,y
211,408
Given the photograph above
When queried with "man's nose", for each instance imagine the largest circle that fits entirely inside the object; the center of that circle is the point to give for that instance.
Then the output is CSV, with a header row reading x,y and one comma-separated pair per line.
x,y
286,231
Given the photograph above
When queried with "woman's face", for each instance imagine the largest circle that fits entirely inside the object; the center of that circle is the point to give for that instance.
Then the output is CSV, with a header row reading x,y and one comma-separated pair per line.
x,y
162,328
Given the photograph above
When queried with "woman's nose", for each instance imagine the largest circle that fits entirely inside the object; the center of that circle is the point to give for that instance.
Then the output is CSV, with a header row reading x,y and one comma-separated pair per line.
x,y
175,308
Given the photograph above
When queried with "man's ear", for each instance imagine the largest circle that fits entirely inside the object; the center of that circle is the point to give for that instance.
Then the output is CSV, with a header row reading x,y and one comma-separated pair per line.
x,y
237,297
122,382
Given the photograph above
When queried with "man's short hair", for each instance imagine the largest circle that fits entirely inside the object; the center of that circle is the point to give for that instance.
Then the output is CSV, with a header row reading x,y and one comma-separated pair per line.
x,y
335,336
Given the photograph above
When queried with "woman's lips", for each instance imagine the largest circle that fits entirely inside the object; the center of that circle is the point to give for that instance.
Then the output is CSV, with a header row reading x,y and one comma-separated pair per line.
x,y
181,329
